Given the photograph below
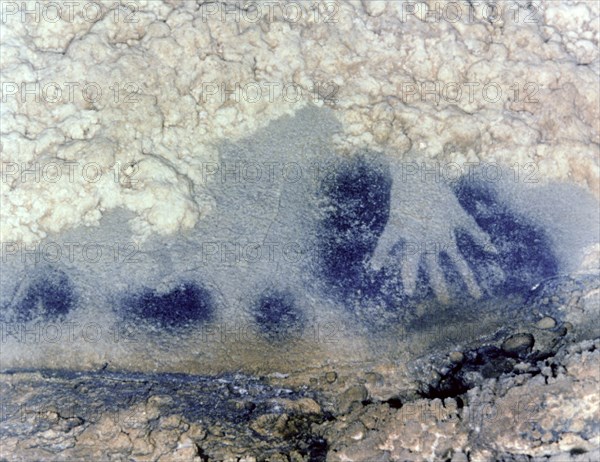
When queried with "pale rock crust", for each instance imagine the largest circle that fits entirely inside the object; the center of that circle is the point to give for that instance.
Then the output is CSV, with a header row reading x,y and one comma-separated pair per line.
x,y
371,53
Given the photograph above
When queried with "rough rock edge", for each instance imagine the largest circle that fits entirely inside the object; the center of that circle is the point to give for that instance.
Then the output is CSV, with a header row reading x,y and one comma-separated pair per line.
x,y
543,410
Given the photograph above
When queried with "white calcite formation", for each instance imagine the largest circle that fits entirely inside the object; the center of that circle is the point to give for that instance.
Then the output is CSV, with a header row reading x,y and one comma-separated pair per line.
x,y
106,107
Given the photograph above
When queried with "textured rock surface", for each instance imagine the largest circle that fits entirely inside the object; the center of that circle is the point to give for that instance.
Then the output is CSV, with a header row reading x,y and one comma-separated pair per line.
x,y
507,398
360,58
356,265
539,410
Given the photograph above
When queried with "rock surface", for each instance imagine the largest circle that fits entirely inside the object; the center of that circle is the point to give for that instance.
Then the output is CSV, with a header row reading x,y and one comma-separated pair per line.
x,y
135,97
123,109
540,410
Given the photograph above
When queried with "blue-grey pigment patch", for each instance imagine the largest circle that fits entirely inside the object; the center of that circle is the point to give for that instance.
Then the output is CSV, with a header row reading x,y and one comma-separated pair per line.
x,y
356,211
483,248
47,293
364,262
277,315
525,253
180,306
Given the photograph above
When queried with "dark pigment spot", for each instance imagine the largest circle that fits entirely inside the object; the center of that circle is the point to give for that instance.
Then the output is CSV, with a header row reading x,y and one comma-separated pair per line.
x,y
50,294
277,315
185,304
357,197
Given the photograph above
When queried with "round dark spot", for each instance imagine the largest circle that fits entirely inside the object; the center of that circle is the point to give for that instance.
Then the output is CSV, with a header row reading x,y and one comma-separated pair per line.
x,y
277,315
50,295
186,303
